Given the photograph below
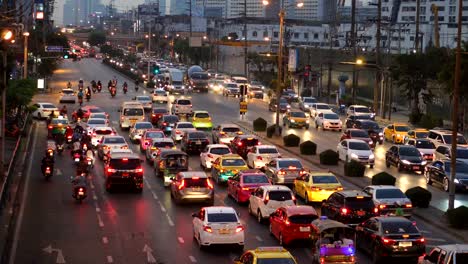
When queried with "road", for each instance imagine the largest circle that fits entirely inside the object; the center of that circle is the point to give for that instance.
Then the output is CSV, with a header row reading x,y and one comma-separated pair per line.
x,y
125,227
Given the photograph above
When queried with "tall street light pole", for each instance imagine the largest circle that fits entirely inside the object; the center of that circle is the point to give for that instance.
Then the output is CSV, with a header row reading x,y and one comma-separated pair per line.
x,y
378,75
25,58
149,52
353,47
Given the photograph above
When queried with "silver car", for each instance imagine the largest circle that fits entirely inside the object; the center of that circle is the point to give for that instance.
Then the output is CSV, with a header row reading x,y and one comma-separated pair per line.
x,y
146,101
193,186
180,128
137,131
284,170
225,133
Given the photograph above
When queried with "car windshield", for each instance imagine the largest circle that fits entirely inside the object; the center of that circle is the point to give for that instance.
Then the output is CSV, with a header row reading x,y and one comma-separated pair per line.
x,y
96,110
460,139
68,92
370,125
114,140
389,194
398,227
323,106
267,151
241,81
283,101
462,153
220,151
222,217
290,163
460,167
359,146
185,125
331,116
143,98
154,134
233,162
359,202
125,164
361,110
275,261
324,179
410,151
255,88
176,161
171,119
425,144
96,121
160,93
231,85
184,102
48,106
143,126
401,128
302,219
421,134
103,116
359,134
197,135
298,114
133,112
280,196
202,115
231,129
248,179
159,111
60,121
163,144
196,182
250,141
310,100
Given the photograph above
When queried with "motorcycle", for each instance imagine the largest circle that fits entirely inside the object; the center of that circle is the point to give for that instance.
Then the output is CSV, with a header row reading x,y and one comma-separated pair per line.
x,y
125,89
48,172
60,148
76,158
99,88
136,88
94,89
113,92
80,101
88,97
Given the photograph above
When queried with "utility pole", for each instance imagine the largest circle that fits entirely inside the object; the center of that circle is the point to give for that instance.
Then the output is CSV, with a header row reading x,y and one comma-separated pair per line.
x,y
378,73
245,39
456,94
280,69
353,46
149,51
416,40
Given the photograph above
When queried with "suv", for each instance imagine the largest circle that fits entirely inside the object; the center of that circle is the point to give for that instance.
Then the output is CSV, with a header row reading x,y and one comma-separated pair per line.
x,y
284,170
193,186
443,152
444,137
225,133
267,198
110,142
181,107
242,144
445,254
123,168
359,110
349,207
194,141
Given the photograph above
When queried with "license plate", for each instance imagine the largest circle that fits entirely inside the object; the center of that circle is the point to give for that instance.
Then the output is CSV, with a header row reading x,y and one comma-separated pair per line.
x,y
125,174
405,244
304,229
415,167
80,193
198,142
224,231
361,213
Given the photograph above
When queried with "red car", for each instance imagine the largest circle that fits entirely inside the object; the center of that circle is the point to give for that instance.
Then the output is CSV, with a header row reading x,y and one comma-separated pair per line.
x,y
157,113
361,134
148,136
293,222
87,111
243,184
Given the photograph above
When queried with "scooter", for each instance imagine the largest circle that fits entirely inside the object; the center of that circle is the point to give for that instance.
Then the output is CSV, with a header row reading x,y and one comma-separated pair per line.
x,y
125,89
80,101
88,97
94,89
80,194
76,158
99,88
48,172
60,148
112,92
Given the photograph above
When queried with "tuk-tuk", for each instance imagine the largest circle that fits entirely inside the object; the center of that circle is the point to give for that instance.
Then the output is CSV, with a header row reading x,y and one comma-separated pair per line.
x,y
169,162
333,243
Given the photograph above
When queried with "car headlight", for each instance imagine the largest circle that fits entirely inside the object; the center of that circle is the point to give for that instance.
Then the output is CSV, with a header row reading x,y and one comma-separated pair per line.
x,y
306,106
371,156
422,154
406,162
293,121
423,162
372,115
340,122
288,106
380,134
456,181
307,121
326,123
354,156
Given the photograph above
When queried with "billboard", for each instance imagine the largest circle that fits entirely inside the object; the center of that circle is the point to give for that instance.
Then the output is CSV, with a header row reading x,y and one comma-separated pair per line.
x,y
293,60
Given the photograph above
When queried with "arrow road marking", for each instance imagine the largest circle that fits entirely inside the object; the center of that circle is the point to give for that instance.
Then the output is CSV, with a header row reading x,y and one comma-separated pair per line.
x,y
49,250
149,255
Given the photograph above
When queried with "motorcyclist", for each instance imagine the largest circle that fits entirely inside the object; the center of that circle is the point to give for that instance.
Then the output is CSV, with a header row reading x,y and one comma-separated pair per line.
x,y
109,84
86,140
78,181
80,96
69,85
80,83
136,84
59,139
93,83
64,111
51,116
79,113
47,161
89,154
113,90
76,148
88,93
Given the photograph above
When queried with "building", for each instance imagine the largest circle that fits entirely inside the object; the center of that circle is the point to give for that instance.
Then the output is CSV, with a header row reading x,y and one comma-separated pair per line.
x,y
309,11
327,10
236,8
364,14
212,8
79,12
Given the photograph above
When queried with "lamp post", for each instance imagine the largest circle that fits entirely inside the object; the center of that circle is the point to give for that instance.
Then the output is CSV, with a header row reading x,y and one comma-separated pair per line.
x,y
25,63
149,51
282,14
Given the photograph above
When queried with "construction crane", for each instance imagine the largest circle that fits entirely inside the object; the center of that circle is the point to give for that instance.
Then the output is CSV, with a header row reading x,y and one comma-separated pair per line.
x,y
435,12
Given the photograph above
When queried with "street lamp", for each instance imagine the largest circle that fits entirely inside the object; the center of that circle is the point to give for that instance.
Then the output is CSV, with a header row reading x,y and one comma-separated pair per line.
x,y
282,14
25,58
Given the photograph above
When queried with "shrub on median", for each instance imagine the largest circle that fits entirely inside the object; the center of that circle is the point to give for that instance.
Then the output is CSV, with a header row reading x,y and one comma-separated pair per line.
x,y
419,196
308,148
259,124
457,217
271,130
291,140
354,169
329,157
383,178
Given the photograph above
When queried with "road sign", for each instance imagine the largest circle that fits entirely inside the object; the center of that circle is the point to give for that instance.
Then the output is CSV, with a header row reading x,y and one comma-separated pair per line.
x,y
243,107
54,48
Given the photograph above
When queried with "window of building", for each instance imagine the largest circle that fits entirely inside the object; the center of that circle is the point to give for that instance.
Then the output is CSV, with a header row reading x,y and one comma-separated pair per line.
x,y
254,34
306,35
453,10
316,36
296,35
325,36
452,19
411,38
265,34
275,34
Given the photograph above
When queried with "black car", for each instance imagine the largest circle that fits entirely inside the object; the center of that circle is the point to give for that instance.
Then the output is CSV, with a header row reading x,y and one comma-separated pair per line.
x,y
283,105
439,172
351,120
167,122
405,157
194,141
241,144
372,128
349,207
390,237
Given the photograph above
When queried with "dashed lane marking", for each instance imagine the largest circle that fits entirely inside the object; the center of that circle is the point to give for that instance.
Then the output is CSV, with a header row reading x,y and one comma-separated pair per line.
x,y
259,238
105,240
110,259
181,240
115,122
425,232
193,259
98,210
154,195
435,239
101,223
162,207
92,185
94,197
169,220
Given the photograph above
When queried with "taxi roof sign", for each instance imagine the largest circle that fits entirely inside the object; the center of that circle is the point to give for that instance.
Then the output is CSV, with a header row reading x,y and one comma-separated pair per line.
x,y
270,249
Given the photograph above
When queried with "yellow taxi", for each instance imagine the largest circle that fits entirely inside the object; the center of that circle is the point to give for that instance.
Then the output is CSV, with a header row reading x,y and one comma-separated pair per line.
x,y
266,255
57,125
418,133
227,166
296,119
396,132
201,120
316,186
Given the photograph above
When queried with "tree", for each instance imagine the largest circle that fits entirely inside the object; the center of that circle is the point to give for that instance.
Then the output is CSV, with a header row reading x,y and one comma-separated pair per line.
x,y
446,75
96,38
20,92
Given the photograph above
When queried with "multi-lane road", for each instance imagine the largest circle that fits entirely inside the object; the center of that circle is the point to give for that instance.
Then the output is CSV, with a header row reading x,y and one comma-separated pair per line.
x,y
126,227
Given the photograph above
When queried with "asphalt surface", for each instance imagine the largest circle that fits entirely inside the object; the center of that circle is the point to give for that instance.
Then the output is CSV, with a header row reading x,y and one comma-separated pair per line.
x,y
124,227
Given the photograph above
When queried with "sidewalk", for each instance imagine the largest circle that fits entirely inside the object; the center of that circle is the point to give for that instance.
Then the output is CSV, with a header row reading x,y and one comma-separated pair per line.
x,y
431,215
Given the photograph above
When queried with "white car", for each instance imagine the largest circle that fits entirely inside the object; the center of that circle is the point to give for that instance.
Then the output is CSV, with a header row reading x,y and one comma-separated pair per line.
x,y
180,128
160,96
328,120
182,106
225,133
91,123
267,198
425,146
216,225
98,132
356,149
68,96
388,199
211,153
306,103
156,144
110,142
359,110
317,108
137,131
146,101
262,155
44,110
100,115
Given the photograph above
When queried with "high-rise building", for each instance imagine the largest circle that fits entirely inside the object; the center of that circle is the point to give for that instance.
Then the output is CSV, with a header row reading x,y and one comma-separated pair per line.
x,y
309,11
212,8
78,12
235,8
327,10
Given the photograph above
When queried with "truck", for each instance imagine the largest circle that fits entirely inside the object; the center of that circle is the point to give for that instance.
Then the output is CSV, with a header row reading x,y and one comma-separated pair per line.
x,y
176,78
198,79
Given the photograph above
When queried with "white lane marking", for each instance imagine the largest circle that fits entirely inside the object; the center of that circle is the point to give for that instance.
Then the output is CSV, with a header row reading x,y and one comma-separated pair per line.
x,y
114,122
110,259
425,232
435,239
154,195
193,259
92,185
169,220
181,240
259,238
101,223
162,207
94,197
105,240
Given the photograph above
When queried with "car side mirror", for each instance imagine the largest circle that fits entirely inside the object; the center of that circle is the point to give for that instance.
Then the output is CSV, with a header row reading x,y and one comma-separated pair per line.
x,y
195,215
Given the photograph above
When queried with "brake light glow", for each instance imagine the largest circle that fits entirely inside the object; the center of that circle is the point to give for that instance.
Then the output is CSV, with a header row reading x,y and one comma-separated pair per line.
x,y
302,172
245,188
139,170
80,189
239,144
165,124
111,170
408,205
344,211
239,229
422,240
281,172
209,156
240,132
382,206
181,185
50,127
195,178
210,185
388,241
376,210
266,200
259,158
292,168
339,188
125,159
294,199
207,229
287,222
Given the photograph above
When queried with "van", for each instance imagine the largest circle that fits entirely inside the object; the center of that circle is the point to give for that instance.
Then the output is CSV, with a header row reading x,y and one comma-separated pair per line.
x,y
176,79
130,113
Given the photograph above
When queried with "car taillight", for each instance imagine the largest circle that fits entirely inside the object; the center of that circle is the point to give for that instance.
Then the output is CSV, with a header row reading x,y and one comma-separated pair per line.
x,y
239,144
153,115
239,229
376,210
210,185
164,124
287,222
240,132
281,172
207,229
408,205
421,240
222,133
178,132
339,188
48,169
139,170
69,137
245,188
181,185
80,189
259,158
382,206
302,172
344,211
316,189
111,170
388,241
50,127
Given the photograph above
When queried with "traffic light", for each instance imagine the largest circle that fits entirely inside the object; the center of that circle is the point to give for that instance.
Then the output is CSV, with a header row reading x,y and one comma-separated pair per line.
x,y
307,70
156,69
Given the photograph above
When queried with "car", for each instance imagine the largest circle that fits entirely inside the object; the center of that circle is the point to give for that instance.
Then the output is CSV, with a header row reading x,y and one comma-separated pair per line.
x,y
293,222
67,96
372,128
405,157
242,144
146,101
194,141
284,106
446,254
352,119
349,207
328,120
360,110
240,186
396,237
296,119
439,172
57,125
218,225
211,153
425,147
179,129
167,123
123,169
317,108
216,85
137,131
316,186
261,155
266,255
43,110
160,96
95,122
182,106
102,116
226,166
87,111
267,199
306,103
231,89
98,132
284,170
418,133
255,91
225,133
361,134
389,199
257,84
109,142
148,136
443,152
355,149
444,137
396,132
289,95
192,186
156,114
201,120
156,144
